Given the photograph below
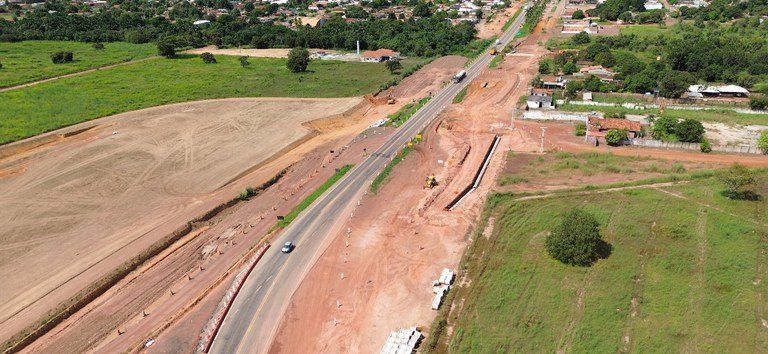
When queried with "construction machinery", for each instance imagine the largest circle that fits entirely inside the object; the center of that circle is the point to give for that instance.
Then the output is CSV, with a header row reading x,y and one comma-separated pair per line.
x,y
494,51
431,182
391,100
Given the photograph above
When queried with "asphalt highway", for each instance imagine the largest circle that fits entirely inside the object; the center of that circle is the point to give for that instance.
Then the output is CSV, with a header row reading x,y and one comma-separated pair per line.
x,y
252,322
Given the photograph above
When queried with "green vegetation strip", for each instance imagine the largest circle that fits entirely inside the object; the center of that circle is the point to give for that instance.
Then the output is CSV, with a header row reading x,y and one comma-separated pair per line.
x,y
511,20
397,119
713,115
31,60
532,17
379,180
51,105
312,197
497,59
460,96
476,47
680,275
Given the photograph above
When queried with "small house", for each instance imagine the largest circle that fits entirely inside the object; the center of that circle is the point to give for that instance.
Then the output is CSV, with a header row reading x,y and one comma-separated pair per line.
x,y
536,101
379,55
553,82
597,127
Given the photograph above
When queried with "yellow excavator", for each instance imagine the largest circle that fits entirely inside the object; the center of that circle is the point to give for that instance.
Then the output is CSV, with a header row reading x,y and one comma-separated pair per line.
x,y
391,100
494,51
431,182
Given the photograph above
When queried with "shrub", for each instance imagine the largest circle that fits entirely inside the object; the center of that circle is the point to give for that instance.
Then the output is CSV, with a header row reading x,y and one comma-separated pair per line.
x,y
581,129
614,137
298,60
762,141
705,147
690,131
61,57
576,240
244,60
98,46
208,58
166,49
758,102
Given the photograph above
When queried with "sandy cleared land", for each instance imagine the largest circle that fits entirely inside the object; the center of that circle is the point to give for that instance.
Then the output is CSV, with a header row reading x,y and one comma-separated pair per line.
x,y
251,52
76,208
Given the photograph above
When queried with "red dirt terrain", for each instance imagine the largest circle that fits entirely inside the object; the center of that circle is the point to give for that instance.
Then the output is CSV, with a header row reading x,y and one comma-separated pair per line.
x,y
161,296
377,278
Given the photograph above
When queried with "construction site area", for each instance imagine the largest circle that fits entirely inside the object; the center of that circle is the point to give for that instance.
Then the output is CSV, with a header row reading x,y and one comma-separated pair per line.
x,y
129,230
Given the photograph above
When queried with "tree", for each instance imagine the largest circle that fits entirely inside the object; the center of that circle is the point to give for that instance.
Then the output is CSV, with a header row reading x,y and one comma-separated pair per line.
x,y
576,240
605,59
393,65
674,83
690,131
705,147
580,38
578,14
736,178
591,51
572,88
758,102
614,137
570,68
663,127
593,83
208,58
422,10
298,60
244,60
543,67
762,141
479,13
166,49
1,65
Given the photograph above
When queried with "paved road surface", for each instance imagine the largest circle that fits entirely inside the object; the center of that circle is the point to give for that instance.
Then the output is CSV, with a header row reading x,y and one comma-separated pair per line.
x,y
255,315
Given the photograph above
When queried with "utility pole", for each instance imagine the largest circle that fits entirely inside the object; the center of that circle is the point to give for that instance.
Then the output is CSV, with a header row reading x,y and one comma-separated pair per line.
x,y
543,130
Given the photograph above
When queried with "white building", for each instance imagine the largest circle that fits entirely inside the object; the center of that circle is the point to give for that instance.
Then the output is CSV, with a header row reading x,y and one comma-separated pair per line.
x,y
653,5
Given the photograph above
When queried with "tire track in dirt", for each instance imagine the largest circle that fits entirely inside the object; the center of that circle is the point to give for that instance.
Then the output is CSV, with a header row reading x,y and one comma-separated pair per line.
x,y
638,286
699,279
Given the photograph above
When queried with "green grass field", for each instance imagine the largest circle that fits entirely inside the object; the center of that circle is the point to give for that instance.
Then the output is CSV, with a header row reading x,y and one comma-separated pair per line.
x,y
644,30
33,110
687,273
31,60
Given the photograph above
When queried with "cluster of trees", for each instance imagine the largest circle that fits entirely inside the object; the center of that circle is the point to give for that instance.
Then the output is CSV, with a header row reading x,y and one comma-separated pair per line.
x,y
729,55
724,10
611,10
670,129
430,36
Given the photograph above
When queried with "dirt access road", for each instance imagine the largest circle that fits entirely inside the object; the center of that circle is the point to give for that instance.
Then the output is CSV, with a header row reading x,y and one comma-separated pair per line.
x,y
77,208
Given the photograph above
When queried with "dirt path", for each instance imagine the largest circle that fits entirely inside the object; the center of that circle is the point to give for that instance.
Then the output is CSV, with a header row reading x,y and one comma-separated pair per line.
x,y
110,66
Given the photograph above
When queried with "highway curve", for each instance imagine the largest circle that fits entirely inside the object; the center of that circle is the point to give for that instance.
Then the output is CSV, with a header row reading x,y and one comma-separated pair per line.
x,y
252,322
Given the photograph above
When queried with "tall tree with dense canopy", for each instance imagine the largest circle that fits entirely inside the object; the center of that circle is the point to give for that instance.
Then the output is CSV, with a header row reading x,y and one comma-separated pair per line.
x,y
576,240
298,60
690,131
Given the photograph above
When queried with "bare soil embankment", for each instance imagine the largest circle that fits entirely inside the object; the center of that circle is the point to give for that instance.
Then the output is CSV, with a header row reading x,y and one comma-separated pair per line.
x,y
76,207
